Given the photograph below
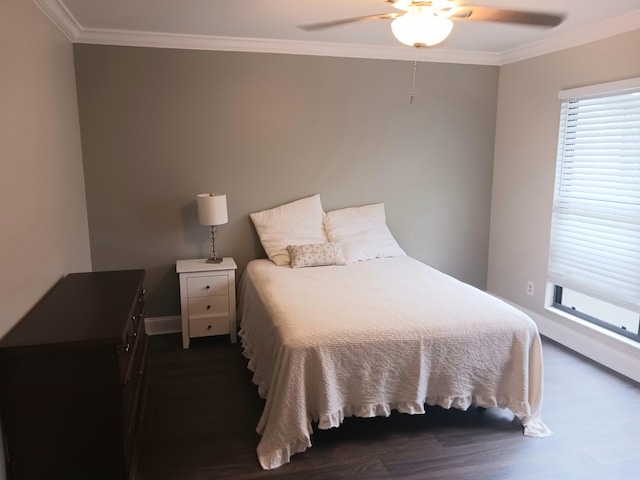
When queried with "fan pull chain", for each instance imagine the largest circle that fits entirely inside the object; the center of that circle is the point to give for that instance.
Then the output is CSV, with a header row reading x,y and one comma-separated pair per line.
x,y
415,66
413,81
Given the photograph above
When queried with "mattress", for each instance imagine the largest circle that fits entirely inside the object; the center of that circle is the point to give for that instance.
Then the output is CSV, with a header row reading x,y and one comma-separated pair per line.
x,y
363,339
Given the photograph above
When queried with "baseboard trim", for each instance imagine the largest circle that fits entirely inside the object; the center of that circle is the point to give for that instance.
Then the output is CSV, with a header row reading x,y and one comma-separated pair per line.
x,y
599,347
591,341
163,325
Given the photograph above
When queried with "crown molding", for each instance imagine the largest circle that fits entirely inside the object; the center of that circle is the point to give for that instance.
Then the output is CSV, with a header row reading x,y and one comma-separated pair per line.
x,y
263,45
574,38
61,17
57,12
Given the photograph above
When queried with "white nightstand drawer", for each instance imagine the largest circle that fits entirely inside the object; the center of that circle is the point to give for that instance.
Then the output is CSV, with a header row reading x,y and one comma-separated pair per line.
x,y
205,326
209,285
213,305
207,298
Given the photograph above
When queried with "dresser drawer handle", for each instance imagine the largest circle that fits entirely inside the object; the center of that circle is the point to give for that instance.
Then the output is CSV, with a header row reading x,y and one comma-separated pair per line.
x,y
208,287
208,327
208,307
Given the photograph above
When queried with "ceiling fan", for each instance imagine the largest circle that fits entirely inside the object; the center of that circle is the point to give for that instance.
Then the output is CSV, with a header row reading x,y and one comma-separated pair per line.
x,y
427,23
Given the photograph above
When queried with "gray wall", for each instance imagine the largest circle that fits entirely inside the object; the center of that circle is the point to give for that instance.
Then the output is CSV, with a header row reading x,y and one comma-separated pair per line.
x,y
160,126
524,175
43,219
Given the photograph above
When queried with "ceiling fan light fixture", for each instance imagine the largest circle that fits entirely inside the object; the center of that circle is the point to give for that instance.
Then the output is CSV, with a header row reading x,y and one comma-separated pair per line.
x,y
420,27
401,4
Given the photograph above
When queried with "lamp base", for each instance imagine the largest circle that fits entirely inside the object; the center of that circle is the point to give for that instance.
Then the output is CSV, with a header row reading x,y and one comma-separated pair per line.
x,y
214,260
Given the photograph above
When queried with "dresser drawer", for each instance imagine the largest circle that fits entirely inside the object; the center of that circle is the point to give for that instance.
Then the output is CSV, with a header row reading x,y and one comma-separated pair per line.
x,y
131,391
205,326
213,305
209,285
134,330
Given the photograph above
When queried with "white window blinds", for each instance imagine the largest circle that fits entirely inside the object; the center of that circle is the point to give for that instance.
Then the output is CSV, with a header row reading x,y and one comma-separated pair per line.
x,y
595,233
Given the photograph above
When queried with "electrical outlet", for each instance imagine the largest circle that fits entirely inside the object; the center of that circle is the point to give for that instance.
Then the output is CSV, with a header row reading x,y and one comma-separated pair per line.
x,y
530,287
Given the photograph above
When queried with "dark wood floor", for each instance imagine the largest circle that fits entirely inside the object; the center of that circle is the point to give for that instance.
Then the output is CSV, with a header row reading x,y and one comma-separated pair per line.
x,y
202,411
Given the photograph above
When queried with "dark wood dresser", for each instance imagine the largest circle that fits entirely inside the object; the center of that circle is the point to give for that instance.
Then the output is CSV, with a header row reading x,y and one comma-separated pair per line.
x,y
72,380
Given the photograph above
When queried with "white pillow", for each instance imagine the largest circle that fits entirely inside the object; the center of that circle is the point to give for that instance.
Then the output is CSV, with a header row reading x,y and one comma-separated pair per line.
x,y
362,232
295,223
315,255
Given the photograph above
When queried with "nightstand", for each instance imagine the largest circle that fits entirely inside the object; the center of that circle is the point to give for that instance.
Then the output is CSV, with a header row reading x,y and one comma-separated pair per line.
x,y
207,298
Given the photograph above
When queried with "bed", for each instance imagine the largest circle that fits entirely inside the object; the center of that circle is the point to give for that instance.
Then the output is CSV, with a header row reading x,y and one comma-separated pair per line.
x,y
363,338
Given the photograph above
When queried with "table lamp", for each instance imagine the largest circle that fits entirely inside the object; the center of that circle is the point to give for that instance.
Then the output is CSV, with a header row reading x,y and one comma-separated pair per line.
x,y
212,210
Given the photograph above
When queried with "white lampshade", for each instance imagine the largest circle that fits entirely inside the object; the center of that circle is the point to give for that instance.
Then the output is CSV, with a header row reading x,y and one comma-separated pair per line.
x,y
212,208
420,27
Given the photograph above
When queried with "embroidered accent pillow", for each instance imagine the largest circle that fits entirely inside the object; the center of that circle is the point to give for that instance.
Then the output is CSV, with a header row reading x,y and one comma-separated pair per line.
x,y
315,255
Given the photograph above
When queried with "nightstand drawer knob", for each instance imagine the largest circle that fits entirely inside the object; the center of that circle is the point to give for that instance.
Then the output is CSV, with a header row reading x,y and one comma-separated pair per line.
x,y
208,287
208,327
208,307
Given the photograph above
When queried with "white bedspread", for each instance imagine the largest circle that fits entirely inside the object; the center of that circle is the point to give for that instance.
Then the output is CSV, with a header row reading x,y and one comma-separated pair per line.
x,y
326,343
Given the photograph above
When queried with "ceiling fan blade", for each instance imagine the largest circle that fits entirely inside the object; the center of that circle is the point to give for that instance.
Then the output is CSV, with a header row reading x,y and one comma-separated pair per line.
x,y
490,14
311,27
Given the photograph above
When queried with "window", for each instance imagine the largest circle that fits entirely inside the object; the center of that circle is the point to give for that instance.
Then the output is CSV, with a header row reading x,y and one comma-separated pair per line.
x,y
594,252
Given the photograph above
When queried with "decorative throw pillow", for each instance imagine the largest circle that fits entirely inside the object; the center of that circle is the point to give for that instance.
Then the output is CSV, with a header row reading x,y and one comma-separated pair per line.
x,y
315,255
362,233
295,223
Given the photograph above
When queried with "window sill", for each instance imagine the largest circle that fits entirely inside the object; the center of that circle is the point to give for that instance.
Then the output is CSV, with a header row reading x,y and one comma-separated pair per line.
x,y
600,331
618,354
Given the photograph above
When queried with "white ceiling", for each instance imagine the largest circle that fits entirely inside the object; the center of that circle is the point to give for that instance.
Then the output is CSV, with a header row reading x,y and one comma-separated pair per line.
x,y
271,26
